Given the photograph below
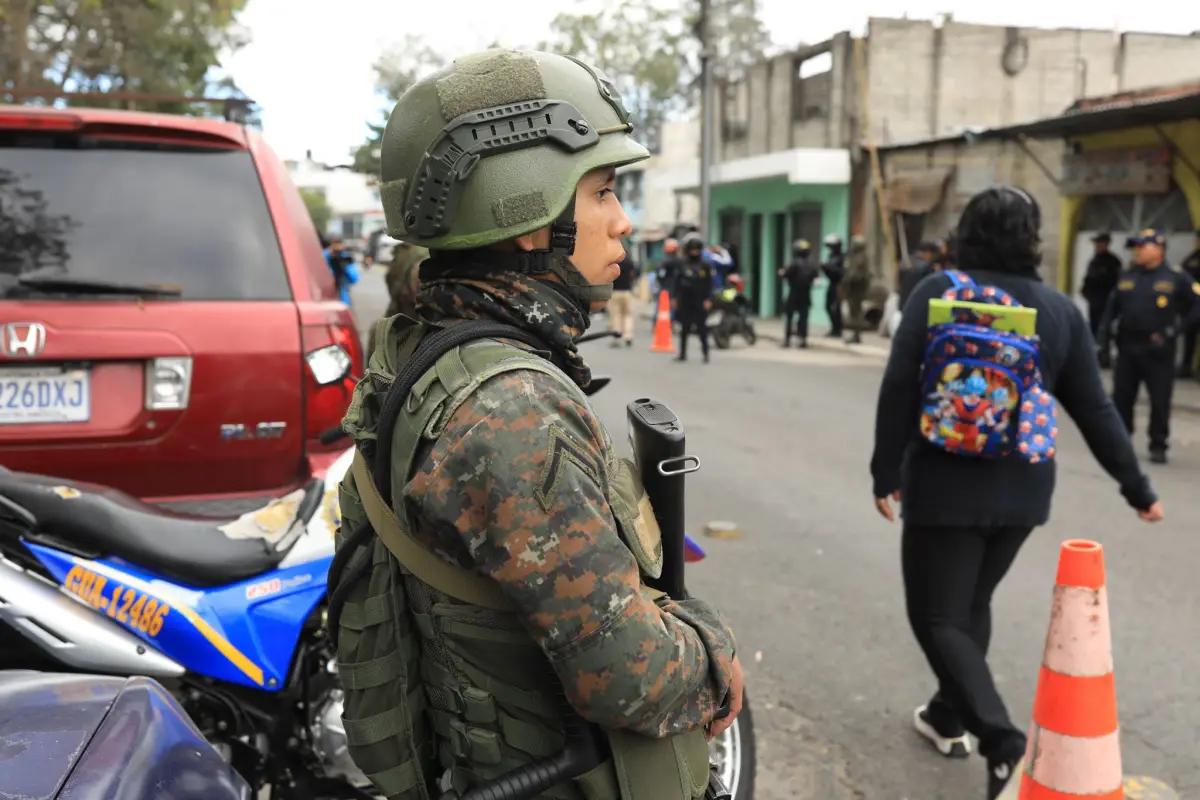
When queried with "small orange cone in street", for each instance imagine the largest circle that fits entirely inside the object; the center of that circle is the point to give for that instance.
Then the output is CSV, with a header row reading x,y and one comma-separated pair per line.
x,y
662,326
1074,749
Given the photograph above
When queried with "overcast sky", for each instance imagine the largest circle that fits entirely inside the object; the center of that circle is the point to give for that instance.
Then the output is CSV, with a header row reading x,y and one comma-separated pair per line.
x,y
309,65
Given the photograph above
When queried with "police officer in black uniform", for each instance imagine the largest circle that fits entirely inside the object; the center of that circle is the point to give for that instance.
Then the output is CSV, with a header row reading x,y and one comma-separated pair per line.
x,y
1150,306
1191,266
800,275
835,270
1101,278
692,297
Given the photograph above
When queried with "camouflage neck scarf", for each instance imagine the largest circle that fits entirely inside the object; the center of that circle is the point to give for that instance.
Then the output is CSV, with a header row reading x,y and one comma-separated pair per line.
x,y
458,288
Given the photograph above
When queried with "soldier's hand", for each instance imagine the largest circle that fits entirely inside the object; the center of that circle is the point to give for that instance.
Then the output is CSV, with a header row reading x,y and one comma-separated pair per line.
x,y
884,507
719,726
1152,514
708,305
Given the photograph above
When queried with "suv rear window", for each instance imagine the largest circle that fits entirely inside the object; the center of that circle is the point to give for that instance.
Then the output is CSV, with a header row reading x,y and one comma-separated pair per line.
x,y
136,213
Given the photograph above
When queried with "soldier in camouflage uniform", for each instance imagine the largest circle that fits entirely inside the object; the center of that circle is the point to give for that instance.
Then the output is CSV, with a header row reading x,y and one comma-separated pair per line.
x,y
402,284
504,476
857,285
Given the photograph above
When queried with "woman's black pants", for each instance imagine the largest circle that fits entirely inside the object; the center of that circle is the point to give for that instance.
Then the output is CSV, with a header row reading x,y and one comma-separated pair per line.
x,y
950,575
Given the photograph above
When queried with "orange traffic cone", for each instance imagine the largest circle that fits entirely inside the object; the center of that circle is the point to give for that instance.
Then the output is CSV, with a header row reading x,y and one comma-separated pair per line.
x,y
1074,749
662,326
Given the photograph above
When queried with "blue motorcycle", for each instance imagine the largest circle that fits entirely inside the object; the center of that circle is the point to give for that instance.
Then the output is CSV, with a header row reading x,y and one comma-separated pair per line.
x,y
229,615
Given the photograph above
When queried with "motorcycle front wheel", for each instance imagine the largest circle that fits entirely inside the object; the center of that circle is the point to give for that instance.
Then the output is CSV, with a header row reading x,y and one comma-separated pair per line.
x,y
734,754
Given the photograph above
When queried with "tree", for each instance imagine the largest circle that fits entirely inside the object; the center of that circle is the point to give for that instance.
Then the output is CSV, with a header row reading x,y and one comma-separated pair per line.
x,y
642,45
318,209
150,47
400,66
651,50
739,37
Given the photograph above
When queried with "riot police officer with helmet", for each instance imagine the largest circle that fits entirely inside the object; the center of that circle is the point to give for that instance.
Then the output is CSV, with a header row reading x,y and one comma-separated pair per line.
x,y
692,297
1152,304
800,275
835,270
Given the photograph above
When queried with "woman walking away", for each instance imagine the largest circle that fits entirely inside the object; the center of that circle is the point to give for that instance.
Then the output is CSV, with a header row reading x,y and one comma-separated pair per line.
x,y
968,503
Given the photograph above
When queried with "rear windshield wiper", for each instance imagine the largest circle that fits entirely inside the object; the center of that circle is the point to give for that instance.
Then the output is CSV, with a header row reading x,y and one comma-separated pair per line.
x,y
98,287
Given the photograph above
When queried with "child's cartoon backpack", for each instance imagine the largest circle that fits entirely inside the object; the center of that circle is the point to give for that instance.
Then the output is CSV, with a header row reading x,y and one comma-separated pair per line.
x,y
982,383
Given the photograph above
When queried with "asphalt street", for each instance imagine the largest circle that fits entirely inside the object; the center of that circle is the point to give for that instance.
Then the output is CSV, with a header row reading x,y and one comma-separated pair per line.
x,y
813,586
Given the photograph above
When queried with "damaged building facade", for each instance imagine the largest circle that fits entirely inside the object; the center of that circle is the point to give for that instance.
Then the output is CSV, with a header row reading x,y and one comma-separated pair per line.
x,y
934,153
791,156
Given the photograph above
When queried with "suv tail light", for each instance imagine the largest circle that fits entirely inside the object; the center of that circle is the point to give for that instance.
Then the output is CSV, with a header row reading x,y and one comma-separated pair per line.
x,y
168,383
333,362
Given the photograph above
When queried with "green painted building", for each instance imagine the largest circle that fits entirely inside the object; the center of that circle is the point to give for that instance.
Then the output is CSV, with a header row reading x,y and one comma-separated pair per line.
x,y
761,204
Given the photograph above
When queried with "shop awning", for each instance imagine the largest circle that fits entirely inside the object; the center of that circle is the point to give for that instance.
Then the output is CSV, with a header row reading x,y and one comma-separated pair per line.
x,y
916,192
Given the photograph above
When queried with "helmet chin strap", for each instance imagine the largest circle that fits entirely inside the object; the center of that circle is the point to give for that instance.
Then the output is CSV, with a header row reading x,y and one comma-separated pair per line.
x,y
556,261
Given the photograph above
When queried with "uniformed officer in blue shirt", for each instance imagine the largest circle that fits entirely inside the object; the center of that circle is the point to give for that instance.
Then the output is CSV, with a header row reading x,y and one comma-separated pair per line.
x,y
1151,306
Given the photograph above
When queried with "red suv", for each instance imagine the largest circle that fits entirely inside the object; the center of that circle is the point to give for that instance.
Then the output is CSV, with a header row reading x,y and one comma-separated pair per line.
x,y
168,323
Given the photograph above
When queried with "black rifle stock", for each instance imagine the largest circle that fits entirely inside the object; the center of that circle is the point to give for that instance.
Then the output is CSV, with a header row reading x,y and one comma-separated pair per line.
x,y
659,445
658,442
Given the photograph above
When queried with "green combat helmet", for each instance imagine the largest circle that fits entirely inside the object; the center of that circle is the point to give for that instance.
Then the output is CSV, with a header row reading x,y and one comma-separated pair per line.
x,y
493,146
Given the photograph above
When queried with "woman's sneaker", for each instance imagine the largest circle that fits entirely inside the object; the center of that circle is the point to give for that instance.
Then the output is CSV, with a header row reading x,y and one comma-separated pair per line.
x,y
950,743
1000,773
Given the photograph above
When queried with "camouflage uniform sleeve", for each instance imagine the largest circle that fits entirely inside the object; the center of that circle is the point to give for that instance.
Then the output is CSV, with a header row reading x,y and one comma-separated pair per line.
x,y
520,478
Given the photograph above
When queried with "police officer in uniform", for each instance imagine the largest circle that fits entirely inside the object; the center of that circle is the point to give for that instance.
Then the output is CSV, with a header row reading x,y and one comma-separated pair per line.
x,y
692,297
1191,266
800,275
1152,303
858,284
834,269
1100,280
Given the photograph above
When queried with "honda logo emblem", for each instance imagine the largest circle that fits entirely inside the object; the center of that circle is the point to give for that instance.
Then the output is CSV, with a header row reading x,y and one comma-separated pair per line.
x,y
23,339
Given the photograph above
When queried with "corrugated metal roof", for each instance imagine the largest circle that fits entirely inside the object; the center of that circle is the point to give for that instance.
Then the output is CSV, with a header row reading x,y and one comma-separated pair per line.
x,y
1135,97
1107,117
1156,106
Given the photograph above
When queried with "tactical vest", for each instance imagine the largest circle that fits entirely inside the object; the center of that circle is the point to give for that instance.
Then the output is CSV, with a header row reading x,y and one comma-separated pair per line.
x,y
443,686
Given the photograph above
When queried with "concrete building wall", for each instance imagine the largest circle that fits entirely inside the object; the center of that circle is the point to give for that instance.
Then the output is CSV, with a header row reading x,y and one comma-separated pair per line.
x,y
676,164
928,80
1150,59
784,103
972,168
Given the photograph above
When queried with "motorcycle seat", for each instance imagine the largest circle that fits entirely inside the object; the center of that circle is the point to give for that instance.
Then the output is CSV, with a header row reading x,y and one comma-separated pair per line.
x,y
95,521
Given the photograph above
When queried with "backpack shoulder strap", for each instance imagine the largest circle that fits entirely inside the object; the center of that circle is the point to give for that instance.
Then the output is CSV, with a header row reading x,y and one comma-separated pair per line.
x,y
959,279
463,584
442,374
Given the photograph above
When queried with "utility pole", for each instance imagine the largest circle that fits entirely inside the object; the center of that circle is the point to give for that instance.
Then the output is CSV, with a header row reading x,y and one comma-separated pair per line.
x,y
18,26
706,116
885,222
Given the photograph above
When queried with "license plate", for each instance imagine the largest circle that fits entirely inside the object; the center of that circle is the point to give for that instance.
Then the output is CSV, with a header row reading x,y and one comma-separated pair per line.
x,y
35,395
